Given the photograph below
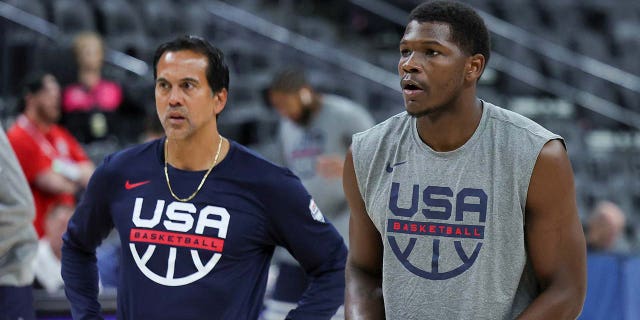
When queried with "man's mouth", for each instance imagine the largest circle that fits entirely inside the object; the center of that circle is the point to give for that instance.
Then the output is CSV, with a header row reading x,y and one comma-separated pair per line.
x,y
176,118
411,88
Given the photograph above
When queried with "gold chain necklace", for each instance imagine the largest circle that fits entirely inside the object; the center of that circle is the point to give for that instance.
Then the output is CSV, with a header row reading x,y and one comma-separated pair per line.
x,y
166,172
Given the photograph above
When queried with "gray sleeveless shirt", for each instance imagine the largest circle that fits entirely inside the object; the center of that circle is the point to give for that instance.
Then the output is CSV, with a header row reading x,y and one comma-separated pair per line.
x,y
452,223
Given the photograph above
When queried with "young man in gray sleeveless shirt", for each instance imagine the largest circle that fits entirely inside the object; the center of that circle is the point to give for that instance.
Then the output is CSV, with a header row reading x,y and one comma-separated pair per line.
x,y
459,209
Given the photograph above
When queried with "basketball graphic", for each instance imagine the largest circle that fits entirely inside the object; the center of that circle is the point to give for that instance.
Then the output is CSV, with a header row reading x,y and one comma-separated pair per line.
x,y
445,232
168,279
145,240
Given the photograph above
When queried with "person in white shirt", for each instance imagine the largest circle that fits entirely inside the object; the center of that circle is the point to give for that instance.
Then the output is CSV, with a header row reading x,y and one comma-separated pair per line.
x,y
47,265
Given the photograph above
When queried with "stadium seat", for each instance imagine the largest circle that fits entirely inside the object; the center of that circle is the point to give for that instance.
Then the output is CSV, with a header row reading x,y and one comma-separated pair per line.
x,y
316,29
18,44
523,14
161,20
57,58
19,35
593,44
122,28
244,60
196,19
73,16
34,7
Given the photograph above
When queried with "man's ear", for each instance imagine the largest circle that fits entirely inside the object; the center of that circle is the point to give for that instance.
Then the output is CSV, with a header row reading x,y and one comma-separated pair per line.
x,y
475,67
220,101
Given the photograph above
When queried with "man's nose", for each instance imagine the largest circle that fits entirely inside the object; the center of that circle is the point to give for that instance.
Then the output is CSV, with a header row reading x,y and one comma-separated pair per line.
x,y
409,65
175,97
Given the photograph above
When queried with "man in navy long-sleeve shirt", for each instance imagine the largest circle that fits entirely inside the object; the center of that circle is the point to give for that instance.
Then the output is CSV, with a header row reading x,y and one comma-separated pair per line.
x,y
198,215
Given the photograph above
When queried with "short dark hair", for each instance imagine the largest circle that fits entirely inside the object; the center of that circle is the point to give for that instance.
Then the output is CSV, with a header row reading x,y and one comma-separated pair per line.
x,y
32,83
289,80
468,29
217,71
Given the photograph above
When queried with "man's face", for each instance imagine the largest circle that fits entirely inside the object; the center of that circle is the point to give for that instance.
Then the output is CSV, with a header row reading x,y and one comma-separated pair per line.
x,y
184,100
287,104
431,67
47,100
90,54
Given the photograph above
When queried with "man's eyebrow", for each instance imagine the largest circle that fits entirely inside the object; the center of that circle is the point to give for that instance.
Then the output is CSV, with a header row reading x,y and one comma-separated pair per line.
x,y
422,42
186,79
189,79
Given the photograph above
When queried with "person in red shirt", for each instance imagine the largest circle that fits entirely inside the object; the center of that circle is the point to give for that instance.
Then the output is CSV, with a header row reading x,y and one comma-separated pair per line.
x,y
53,162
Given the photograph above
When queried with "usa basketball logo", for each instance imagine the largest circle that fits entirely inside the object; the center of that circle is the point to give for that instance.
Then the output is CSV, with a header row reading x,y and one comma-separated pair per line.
x,y
178,219
448,231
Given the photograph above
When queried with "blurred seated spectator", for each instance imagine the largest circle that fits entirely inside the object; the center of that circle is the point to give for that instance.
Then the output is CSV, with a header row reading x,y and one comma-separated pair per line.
x,y
95,108
605,229
53,162
313,137
47,265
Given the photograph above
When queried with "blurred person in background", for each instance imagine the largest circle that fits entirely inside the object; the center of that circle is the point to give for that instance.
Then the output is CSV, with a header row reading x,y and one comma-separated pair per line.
x,y
54,163
47,264
605,229
95,108
460,209
313,137
18,239
89,106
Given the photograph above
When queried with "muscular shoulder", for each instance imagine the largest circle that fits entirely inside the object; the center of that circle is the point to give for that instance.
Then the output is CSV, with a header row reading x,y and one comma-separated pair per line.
x,y
517,123
392,124
384,134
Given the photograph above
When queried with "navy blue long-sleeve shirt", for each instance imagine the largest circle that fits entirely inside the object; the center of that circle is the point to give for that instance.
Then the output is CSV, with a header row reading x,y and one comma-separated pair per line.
x,y
206,258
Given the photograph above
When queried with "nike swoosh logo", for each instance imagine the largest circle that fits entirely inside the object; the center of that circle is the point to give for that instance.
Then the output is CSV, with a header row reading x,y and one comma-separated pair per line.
x,y
390,167
128,185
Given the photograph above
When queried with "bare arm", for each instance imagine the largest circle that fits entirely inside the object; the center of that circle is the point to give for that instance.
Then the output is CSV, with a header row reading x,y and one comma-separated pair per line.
x,y
86,170
554,237
54,183
330,166
363,296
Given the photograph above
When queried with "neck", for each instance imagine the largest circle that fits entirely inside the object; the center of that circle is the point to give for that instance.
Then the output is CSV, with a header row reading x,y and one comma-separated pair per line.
x,y
452,127
40,124
193,154
89,77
